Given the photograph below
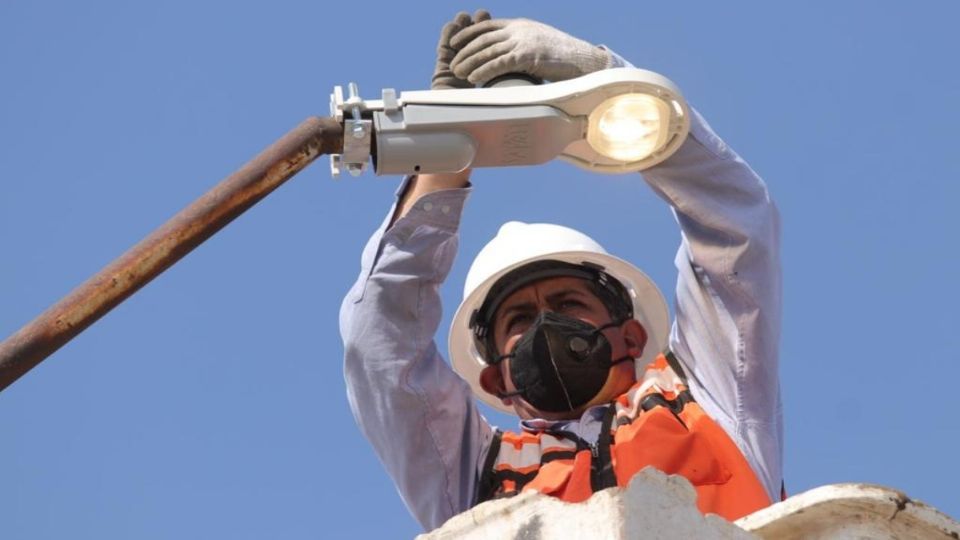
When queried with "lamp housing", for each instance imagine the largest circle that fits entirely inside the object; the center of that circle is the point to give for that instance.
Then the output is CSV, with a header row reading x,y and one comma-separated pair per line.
x,y
611,121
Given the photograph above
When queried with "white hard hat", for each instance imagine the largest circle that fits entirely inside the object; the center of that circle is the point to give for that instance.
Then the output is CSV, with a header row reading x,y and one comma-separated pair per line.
x,y
519,244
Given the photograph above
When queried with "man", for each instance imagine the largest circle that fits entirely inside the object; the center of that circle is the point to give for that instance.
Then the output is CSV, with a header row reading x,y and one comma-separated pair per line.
x,y
571,339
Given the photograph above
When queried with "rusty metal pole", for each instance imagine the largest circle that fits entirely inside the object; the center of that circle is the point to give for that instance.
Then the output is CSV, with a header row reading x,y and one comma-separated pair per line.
x,y
62,321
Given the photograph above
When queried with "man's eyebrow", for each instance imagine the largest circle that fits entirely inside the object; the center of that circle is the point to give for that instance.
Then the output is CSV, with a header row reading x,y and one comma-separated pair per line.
x,y
504,311
556,296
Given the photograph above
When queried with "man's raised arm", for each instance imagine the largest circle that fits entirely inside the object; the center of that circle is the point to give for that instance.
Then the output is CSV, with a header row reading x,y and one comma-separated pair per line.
x,y
419,416
727,327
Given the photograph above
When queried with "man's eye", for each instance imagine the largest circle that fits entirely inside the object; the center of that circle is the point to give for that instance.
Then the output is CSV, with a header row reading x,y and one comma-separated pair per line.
x,y
517,320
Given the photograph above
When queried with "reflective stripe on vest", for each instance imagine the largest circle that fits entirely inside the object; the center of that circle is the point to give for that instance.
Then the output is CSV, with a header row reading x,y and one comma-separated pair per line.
x,y
656,423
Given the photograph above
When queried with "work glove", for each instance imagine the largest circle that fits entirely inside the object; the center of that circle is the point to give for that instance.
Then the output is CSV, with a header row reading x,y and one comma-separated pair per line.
x,y
491,48
443,77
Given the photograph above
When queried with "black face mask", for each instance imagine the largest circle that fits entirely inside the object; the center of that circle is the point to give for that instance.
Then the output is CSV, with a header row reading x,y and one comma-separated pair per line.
x,y
560,363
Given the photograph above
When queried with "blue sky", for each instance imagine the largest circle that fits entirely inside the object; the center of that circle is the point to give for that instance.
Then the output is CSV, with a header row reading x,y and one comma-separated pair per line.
x,y
212,403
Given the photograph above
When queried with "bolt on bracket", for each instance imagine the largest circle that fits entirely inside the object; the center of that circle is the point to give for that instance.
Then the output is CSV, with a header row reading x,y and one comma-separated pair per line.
x,y
357,131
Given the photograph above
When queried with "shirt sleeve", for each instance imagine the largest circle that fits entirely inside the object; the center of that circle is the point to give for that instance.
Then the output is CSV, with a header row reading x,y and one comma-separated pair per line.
x,y
728,299
417,413
726,333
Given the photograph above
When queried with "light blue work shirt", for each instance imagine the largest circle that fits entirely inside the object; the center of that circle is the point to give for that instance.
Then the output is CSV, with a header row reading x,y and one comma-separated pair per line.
x,y
421,418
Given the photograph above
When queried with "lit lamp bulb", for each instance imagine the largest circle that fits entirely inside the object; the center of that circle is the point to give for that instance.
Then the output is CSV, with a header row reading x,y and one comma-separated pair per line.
x,y
629,127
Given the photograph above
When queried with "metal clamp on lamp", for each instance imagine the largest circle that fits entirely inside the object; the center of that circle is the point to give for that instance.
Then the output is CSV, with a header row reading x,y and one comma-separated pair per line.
x,y
612,121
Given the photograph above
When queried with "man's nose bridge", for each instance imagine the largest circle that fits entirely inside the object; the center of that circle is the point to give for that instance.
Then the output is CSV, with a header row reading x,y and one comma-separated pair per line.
x,y
539,299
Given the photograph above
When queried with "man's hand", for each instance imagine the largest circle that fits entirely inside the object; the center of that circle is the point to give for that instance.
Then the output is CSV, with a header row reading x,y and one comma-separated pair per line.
x,y
491,48
443,76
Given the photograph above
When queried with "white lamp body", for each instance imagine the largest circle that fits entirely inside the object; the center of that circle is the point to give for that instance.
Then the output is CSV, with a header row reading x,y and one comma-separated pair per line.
x,y
613,121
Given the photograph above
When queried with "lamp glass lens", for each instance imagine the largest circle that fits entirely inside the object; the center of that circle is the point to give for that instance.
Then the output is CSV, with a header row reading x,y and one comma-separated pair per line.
x,y
629,127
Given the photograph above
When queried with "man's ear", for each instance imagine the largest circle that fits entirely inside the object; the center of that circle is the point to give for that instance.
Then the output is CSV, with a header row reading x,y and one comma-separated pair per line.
x,y
634,336
491,380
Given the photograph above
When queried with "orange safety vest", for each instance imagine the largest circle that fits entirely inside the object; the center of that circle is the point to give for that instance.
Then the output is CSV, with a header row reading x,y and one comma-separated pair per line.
x,y
657,424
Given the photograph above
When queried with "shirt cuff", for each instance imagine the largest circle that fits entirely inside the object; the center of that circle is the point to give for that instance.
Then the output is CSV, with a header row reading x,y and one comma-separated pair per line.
x,y
616,61
441,208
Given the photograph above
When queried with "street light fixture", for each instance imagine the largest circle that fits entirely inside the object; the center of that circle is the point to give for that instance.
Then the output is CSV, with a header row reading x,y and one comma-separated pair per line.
x,y
612,121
